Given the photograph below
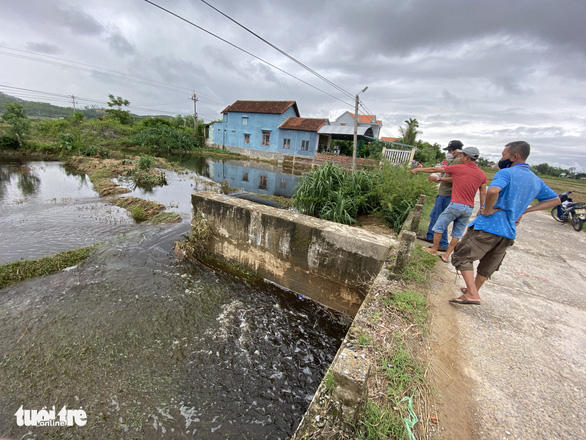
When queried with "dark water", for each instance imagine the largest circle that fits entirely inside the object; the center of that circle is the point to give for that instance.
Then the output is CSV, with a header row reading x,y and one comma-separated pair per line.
x,y
151,348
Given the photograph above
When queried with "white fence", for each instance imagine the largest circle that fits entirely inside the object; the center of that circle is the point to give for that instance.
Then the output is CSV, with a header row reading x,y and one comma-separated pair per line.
x,y
398,157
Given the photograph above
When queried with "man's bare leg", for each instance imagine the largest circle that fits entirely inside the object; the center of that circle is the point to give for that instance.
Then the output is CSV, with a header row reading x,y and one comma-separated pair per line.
x,y
478,282
446,257
471,293
437,236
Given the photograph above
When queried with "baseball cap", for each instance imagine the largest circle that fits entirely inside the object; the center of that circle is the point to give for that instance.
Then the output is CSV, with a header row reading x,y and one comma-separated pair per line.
x,y
471,152
454,145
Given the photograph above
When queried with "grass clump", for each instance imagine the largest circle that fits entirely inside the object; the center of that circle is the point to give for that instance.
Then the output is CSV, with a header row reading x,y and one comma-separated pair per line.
x,y
420,266
12,273
140,209
333,193
138,214
411,303
380,422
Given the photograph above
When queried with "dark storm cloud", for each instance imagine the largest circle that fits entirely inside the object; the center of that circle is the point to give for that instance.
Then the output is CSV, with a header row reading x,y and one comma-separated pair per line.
x,y
44,14
119,44
49,49
176,71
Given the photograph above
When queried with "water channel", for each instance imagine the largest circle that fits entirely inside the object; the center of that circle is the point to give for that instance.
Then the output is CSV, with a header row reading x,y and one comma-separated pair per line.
x,y
148,347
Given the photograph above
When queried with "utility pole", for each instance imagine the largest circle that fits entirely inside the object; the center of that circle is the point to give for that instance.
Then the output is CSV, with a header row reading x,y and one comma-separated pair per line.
x,y
195,99
356,130
73,101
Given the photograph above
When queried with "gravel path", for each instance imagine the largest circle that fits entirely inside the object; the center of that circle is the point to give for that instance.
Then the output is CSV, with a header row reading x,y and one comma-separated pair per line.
x,y
514,366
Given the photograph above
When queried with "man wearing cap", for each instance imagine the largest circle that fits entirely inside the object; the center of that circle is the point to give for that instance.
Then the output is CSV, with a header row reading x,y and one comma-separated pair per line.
x,y
467,180
444,196
489,235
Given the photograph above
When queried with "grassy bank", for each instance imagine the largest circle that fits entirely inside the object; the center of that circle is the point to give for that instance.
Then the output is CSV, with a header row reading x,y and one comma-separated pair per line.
x,y
389,333
18,271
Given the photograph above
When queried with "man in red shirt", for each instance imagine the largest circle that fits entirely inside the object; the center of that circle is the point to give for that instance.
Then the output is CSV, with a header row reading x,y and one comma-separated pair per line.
x,y
467,180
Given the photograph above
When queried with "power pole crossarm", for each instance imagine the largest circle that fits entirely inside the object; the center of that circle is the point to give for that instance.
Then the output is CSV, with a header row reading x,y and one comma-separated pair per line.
x,y
195,99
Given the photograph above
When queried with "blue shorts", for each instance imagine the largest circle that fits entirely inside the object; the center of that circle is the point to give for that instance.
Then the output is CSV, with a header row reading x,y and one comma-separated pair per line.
x,y
455,212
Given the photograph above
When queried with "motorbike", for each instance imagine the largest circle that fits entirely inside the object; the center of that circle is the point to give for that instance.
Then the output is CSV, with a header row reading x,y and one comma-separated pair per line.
x,y
570,212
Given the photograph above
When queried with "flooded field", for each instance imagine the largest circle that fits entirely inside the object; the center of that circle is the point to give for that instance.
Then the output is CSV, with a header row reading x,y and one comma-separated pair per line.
x,y
151,348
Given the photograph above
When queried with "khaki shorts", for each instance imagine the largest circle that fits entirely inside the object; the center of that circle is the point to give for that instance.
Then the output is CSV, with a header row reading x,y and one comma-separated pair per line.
x,y
481,246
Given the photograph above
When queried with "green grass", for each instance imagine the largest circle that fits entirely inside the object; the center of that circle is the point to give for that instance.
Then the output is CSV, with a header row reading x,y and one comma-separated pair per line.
x,y
410,303
364,339
18,271
380,422
403,376
420,265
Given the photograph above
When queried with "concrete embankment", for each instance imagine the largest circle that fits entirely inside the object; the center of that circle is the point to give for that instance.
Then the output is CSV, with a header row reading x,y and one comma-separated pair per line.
x,y
331,263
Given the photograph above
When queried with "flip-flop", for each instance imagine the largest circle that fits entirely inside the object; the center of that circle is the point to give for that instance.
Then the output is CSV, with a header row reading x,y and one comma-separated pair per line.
x,y
463,300
441,258
464,290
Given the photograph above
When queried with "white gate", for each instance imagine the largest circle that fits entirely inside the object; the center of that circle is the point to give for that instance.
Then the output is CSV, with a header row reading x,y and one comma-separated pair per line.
x,y
398,157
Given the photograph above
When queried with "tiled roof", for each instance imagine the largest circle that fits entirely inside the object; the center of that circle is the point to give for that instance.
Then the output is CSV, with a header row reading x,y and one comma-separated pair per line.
x,y
274,107
367,119
389,139
304,124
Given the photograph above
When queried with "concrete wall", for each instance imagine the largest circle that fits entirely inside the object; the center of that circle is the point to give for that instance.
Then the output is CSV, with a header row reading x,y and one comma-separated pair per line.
x,y
331,263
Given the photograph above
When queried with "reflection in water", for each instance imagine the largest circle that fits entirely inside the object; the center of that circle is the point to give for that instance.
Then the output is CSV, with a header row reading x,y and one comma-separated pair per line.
x,y
247,175
28,182
45,209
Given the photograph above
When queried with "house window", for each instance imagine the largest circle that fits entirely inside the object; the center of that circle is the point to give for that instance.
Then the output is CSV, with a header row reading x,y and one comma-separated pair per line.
x,y
247,139
245,176
266,139
262,182
304,145
286,144
244,120
283,183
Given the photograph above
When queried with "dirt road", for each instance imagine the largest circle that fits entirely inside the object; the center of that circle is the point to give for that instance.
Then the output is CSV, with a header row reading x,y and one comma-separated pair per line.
x,y
514,367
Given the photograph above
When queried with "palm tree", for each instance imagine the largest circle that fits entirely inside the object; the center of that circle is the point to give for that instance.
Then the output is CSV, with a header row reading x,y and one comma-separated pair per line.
x,y
410,133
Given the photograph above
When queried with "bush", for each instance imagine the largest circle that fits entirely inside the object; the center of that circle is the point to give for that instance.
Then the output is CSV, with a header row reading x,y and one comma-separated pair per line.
x,y
332,193
8,142
165,139
399,192
138,214
88,150
146,162
155,123
51,127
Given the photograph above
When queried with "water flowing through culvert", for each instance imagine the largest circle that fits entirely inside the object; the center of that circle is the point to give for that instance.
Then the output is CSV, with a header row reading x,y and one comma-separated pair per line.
x,y
151,348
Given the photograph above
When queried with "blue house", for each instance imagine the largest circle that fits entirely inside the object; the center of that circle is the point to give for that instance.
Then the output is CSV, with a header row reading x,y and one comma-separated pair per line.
x,y
269,129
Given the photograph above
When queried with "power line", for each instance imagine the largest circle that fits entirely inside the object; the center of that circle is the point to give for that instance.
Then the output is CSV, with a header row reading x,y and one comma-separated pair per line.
x,y
74,65
323,78
243,50
66,98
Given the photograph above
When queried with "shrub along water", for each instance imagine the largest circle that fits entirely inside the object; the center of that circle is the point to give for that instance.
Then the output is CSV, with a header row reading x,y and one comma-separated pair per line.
x,y
332,193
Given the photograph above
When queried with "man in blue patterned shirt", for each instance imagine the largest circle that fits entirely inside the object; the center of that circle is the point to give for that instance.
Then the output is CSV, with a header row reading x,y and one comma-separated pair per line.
x,y
489,235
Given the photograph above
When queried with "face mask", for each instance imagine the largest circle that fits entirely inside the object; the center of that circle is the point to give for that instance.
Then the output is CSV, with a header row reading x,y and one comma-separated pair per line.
x,y
449,156
505,163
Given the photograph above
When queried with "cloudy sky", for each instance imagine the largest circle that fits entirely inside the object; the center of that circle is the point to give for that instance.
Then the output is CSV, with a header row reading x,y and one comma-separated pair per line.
x,y
484,72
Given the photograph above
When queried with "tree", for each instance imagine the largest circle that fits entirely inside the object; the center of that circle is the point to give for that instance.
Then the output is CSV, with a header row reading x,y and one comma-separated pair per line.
x,y
123,116
409,134
483,162
16,117
427,153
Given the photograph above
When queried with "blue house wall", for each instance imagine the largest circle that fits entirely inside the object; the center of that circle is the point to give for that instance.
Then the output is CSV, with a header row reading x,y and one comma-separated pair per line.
x,y
231,130
296,136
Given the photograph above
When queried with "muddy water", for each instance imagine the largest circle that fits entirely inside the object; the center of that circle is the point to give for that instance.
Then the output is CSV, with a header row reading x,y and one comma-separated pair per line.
x,y
151,348
45,209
